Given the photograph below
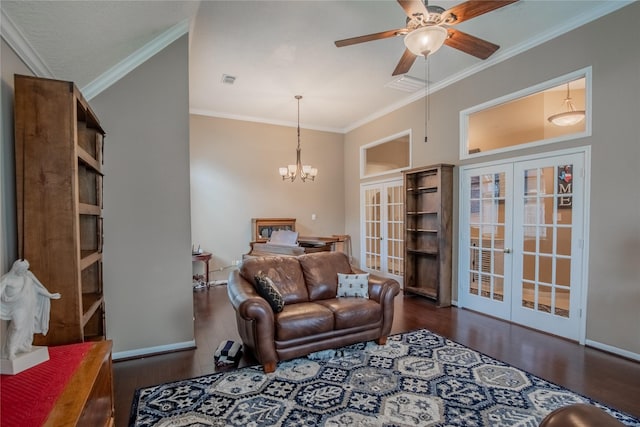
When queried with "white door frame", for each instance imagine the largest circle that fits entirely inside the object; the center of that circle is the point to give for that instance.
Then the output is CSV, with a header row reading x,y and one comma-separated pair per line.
x,y
584,286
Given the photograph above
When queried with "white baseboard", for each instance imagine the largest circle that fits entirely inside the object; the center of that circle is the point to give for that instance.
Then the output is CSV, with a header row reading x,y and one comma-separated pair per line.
x,y
129,354
615,350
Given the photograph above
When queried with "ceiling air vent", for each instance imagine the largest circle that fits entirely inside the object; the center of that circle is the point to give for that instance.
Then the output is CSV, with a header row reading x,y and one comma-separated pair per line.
x,y
406,84
227,79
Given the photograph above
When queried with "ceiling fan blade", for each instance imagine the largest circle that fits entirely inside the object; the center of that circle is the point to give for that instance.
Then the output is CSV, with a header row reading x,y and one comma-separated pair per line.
x,y
371,37
470,44
413,7
471,9
405,63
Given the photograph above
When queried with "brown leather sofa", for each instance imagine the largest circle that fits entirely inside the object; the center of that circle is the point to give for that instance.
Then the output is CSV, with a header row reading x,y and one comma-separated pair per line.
x,y
580,415
313,318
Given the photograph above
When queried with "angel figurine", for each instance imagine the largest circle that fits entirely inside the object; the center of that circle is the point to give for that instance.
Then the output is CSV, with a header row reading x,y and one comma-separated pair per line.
x,y
26,304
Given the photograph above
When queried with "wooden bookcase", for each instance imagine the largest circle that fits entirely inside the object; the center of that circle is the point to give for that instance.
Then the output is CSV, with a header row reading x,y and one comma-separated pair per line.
x,y
428,232
59,153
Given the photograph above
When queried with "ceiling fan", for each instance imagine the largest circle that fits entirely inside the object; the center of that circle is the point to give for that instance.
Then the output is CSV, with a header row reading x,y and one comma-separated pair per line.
x,y
428,28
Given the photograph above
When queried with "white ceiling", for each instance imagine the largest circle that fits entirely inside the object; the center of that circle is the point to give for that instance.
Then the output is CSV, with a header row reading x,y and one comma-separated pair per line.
x,y
275,49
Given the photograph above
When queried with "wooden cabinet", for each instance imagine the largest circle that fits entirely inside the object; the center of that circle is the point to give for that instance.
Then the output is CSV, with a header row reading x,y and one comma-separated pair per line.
x,y
73,388
428,232
87,400
59,150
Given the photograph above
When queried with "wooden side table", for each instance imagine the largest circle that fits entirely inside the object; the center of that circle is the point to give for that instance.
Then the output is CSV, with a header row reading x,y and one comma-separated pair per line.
x,y
204,257
80,393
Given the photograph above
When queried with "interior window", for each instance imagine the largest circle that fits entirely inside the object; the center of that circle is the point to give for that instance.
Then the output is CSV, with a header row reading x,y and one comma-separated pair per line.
x,y
388,155
553,111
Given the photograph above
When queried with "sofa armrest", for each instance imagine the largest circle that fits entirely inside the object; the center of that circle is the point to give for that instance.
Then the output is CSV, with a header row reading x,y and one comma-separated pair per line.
x,y
381,289
579,415
384,291
246,301
255,319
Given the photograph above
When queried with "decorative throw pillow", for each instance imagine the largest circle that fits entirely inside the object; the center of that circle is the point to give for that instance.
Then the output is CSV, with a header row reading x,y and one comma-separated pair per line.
x,y
268,291
353,285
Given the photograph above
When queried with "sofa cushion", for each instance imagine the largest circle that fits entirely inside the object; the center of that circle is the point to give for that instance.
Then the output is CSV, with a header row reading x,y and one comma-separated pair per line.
x,y
321,270
267,290
285,272
353,285
303,320
352,312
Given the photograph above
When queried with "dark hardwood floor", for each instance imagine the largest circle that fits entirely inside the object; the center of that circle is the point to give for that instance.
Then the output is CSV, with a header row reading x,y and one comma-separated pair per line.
x,y
609,379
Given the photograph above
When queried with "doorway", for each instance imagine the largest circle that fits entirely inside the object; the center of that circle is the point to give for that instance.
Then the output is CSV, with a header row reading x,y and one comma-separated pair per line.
x,y
523,241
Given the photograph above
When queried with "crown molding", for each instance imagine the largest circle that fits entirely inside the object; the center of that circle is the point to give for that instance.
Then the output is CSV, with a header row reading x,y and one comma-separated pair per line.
x,y
137,58
15,38
220,115
569,25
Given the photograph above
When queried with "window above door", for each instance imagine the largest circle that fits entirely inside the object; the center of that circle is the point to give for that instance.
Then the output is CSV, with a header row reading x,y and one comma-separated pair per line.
x,y
385,156
523,119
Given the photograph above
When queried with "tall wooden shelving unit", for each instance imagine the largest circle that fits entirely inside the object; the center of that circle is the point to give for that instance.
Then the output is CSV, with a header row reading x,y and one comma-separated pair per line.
x,y
428,213
59,153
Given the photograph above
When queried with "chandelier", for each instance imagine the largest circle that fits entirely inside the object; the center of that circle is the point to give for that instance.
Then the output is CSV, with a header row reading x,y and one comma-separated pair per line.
x,y
570,116
305,172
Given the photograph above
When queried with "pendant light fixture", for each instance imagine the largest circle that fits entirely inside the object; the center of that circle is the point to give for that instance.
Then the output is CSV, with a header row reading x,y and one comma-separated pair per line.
x,y
305,172
569,116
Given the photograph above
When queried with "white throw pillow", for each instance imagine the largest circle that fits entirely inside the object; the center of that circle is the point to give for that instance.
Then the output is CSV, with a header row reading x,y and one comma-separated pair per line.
x,y
353,285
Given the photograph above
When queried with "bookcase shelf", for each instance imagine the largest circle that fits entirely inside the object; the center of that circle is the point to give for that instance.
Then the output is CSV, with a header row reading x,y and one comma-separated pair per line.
x,y
428,234
59,155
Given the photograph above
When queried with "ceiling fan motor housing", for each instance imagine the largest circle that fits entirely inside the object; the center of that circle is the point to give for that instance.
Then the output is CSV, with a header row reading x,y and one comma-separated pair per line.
x,y
434,17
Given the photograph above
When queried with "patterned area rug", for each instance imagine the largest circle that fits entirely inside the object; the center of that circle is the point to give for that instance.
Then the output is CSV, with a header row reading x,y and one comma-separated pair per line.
x,y
416,379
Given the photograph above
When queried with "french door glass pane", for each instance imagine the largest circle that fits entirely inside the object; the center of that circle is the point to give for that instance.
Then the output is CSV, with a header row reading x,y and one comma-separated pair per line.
x,y
384,228
395,230
372,227
546,251
486,231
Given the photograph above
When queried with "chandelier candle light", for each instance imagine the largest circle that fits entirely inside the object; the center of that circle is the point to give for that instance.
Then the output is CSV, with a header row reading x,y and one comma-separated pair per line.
x,y
305,172
570,116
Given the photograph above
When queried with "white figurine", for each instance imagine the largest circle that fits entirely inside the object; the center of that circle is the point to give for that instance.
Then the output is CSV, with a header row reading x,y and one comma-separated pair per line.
x,y
25,302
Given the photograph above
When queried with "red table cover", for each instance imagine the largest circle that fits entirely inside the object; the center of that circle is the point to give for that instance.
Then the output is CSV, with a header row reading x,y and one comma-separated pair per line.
x,y
26,399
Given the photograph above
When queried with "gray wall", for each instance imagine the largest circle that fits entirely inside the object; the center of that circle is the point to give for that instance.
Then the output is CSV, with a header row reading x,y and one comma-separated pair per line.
x,y
11,65
614,277
147,261
147,229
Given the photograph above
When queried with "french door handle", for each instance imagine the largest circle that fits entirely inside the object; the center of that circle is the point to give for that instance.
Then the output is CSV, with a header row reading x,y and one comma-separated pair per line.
x,y
507,250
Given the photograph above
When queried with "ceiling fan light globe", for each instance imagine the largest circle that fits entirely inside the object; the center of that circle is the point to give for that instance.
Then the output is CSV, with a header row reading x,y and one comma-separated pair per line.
x,y
426,40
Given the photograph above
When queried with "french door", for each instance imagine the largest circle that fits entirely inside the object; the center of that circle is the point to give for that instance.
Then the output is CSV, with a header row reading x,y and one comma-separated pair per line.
x,y
382,228
522,243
